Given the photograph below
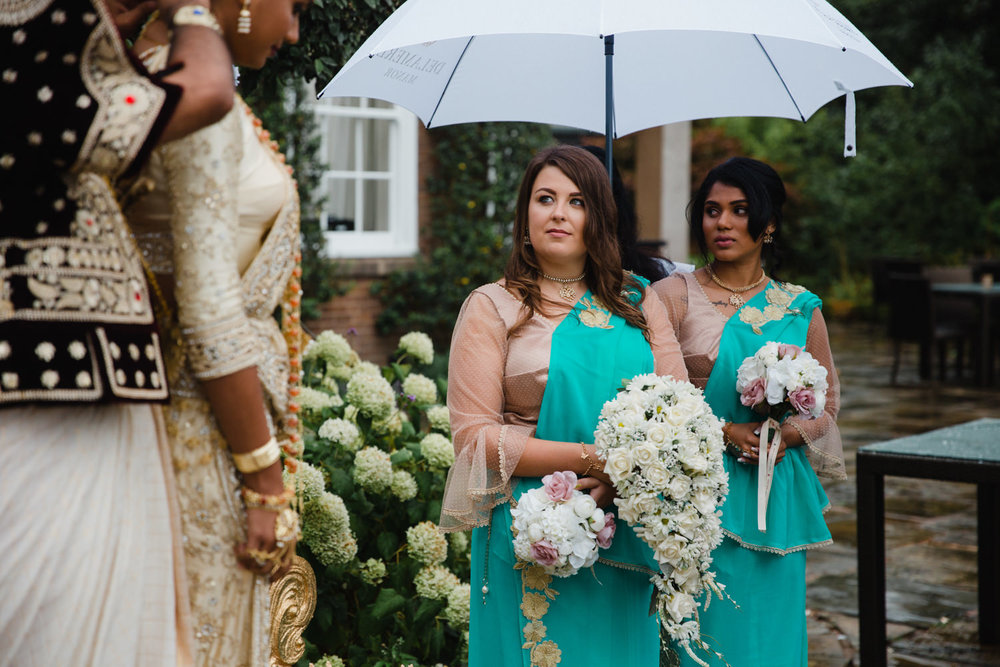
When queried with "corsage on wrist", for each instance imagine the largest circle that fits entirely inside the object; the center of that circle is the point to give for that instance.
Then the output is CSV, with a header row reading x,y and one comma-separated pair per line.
x,y
274,503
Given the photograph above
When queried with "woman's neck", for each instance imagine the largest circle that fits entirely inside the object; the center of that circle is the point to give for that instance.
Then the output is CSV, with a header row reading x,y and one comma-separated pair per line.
x,y
563,270
737,274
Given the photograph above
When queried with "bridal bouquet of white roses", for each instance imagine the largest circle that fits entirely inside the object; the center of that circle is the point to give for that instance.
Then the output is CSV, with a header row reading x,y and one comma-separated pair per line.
x,y
558,527
776,380
662,448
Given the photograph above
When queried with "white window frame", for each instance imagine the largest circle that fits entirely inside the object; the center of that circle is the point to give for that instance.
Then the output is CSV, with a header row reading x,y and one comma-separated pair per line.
x,y
401,239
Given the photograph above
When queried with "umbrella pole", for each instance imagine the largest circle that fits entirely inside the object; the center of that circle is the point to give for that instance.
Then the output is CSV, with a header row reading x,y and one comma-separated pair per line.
x,y
609,105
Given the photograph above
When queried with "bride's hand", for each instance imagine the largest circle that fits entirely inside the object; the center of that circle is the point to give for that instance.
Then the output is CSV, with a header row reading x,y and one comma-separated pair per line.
x,y
602,492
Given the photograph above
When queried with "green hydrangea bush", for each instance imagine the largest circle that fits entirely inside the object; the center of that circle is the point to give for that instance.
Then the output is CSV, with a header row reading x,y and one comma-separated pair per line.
x,y
392,589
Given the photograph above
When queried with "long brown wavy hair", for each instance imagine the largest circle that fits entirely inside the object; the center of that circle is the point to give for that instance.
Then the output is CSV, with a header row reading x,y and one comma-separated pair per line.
x,y
605,277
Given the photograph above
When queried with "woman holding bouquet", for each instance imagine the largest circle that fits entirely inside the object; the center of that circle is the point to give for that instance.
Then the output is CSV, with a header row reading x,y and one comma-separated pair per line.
x,y
533,359
723,313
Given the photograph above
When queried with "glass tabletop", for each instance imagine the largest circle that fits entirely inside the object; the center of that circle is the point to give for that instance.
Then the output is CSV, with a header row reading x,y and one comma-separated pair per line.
x,y
977,440
967,288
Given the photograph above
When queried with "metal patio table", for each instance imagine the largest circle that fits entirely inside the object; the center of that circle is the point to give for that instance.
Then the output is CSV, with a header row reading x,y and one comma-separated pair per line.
x,y
986,298
967,452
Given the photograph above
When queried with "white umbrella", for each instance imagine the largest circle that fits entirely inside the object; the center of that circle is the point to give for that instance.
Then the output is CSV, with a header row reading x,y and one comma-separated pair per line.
x,y
614,66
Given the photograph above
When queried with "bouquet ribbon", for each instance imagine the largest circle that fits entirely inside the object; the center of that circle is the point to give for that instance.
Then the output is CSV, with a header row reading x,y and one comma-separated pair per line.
x,y
770,445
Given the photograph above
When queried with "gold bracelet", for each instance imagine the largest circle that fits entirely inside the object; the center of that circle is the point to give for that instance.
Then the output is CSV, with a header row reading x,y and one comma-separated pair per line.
x,y
260,458
195,14
586,457
275,503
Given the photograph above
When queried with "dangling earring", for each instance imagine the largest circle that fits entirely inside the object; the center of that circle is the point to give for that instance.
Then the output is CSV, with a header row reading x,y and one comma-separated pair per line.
x,y
243,24
527,241
768,239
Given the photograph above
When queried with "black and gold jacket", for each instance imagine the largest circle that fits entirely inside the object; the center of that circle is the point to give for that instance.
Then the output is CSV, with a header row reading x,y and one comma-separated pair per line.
x,y
76,321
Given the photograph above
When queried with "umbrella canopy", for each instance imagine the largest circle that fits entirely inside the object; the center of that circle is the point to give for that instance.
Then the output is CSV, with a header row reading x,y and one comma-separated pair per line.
x,y
455,61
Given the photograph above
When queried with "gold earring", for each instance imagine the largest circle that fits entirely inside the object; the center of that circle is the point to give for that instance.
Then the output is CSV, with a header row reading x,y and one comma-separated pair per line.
x,y
768,239
243,24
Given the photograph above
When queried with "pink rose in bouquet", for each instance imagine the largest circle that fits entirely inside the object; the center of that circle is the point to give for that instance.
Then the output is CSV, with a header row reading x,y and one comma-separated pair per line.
x,y
543,553
559,486
753,394
803,400
605,534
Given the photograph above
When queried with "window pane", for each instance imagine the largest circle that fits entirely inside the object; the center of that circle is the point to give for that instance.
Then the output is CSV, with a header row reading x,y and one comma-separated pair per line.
x,y
339,205
340,143
343,101
376,144
376,206
379,104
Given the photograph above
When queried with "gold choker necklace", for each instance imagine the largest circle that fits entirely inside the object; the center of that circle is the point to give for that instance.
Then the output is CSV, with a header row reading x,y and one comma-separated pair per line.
x,y
565,289
735,299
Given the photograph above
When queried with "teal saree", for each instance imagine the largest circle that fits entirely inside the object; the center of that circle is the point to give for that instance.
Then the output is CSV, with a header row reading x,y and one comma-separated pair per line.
x,y
764,572
599,616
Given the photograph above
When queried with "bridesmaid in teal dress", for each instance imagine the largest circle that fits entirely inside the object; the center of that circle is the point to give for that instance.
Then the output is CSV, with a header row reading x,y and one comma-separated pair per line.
x,y
723,313
533,359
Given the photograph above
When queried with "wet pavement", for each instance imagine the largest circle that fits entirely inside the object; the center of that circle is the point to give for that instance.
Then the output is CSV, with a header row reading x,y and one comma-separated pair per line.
x,y
931,570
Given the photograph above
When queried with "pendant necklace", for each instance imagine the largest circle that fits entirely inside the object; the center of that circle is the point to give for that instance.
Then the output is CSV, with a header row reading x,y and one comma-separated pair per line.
x,y
735,299
566,290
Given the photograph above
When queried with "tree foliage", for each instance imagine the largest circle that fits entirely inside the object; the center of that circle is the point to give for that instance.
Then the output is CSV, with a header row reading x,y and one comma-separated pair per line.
x,y
923,183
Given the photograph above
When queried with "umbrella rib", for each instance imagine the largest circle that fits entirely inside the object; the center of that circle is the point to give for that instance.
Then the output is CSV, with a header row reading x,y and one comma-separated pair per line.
x,y
454,69
780,78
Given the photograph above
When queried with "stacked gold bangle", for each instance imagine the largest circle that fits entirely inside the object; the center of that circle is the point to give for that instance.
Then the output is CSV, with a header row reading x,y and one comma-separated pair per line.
x,y
260,458
195,14
275,503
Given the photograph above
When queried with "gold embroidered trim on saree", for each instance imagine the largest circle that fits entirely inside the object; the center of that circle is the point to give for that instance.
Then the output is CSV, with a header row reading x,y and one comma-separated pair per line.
x,y
779,297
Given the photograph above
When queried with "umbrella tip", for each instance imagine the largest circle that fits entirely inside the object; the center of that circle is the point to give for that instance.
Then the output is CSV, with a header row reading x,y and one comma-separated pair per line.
x,y
843,48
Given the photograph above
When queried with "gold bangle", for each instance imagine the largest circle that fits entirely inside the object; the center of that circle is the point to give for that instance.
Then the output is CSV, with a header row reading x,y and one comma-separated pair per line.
x,y
585,455
275,503
260,458
195,14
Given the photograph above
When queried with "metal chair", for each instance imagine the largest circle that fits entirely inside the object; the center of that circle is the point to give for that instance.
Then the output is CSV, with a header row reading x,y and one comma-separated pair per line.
x,y
912,319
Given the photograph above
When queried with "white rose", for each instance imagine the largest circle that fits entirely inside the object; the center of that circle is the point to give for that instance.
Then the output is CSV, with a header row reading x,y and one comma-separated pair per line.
x,y
647,503
688,521
597,520
627,511
670,548
679,487
679,606
657,434
698,462
704,501
618,464
645,454
584,505
656,474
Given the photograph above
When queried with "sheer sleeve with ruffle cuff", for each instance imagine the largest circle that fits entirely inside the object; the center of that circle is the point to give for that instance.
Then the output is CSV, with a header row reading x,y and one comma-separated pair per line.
x,y
486,448
203,177
666,349
821,436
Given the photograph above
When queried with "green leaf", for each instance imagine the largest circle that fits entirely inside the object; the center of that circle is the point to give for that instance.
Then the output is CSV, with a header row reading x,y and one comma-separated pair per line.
x,y
387,544
388,601
401,456
426,610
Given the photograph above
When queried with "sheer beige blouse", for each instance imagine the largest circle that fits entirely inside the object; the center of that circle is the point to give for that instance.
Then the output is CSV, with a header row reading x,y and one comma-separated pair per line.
x,y
698,324
495,388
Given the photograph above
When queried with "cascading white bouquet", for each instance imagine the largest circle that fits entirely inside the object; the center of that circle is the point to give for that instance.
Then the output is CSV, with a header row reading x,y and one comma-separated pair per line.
x,y
662,448
559,527
778,380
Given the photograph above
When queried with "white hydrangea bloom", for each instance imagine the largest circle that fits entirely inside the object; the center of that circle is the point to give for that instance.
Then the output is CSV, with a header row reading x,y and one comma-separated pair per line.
x,y
364,368
341,432
457,611
373,469
418,345
313,400
326,530
372,395
435,582
330,347
393,425
459,542
403,486
427,543
328,661
438,450
373,571
421,388
439,418
308,481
